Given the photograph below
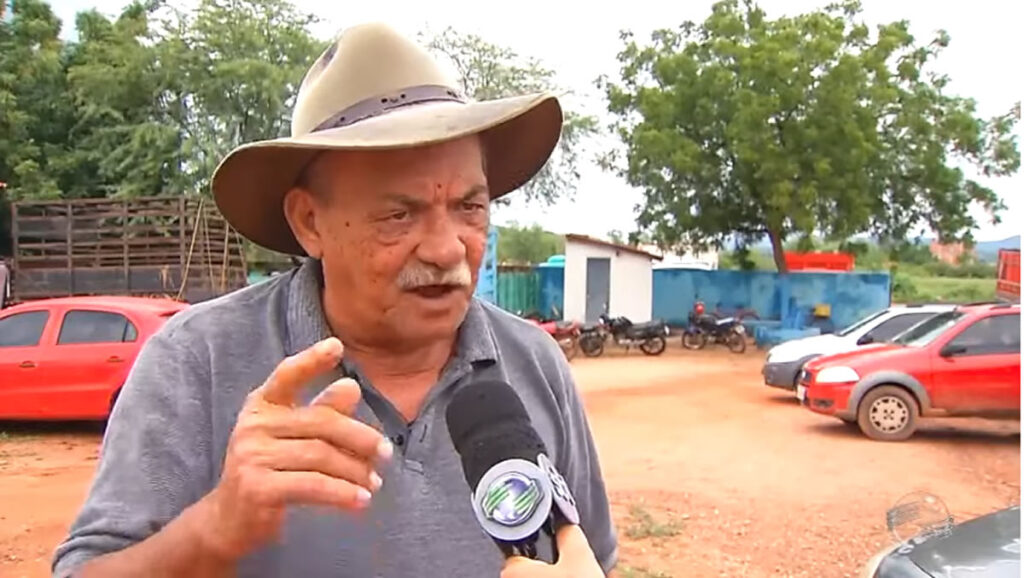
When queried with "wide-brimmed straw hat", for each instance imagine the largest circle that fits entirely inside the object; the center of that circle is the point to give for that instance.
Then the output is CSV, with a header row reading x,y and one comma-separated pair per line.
x,y
374,89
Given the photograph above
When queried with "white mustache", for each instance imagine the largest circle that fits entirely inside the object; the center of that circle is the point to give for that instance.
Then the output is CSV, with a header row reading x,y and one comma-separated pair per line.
x,y
419,274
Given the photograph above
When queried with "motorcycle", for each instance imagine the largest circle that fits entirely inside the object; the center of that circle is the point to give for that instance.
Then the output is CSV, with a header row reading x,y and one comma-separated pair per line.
x,y
565,333
704,328
649,336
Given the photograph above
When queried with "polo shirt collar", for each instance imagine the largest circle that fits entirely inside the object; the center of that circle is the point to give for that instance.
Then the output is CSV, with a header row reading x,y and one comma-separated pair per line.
x,y
306,323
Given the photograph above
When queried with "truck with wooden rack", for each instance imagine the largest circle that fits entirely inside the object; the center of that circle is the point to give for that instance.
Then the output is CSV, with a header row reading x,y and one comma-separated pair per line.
x,y
1008,275
170,246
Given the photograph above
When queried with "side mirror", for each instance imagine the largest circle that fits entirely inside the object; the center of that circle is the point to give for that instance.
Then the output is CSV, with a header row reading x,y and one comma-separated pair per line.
x,y
865,340
951,350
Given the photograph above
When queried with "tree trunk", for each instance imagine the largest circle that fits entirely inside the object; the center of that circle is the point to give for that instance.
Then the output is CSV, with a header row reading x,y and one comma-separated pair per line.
x,y
777,251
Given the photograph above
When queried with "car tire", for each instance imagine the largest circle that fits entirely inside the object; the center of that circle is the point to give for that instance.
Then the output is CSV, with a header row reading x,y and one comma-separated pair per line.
x,y
888,413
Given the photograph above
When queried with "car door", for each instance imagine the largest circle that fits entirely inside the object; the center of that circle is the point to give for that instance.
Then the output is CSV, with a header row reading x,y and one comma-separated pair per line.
x,y
21,345
93,353
978,367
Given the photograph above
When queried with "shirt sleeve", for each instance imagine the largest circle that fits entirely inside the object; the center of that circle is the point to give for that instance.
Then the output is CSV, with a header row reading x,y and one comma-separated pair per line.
x,y
154,460
582,472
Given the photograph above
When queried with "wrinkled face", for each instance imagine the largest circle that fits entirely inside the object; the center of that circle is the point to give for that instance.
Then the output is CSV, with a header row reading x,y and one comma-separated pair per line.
x,y
401,235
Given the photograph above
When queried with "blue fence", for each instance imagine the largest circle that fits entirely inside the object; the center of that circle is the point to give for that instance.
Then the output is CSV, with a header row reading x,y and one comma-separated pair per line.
x,y
487,283
850,295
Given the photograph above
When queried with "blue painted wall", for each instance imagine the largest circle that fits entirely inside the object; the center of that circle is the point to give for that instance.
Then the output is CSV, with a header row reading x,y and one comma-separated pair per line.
x,y
851,295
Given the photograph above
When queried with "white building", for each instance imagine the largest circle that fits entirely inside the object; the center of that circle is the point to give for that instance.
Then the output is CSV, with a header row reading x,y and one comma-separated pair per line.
x,y
604,277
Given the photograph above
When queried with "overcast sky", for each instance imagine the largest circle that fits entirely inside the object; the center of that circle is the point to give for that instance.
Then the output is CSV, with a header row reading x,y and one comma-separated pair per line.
x,y
581,43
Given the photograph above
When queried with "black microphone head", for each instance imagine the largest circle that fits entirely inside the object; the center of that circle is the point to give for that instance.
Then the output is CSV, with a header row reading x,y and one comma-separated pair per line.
x,y
488,424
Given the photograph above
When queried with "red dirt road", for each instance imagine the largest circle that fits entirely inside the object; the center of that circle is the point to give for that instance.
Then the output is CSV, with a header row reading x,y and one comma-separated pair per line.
x,y
710,473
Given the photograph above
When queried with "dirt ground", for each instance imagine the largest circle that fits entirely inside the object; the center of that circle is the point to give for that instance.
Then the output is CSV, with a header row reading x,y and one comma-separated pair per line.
x,y
710,473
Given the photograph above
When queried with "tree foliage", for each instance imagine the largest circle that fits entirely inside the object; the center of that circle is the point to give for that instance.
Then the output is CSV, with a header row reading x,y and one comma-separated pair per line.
x,y
743,127
519,245
490,71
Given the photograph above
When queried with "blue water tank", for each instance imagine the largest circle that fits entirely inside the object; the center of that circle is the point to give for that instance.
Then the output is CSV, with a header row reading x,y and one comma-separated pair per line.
x,y
487,283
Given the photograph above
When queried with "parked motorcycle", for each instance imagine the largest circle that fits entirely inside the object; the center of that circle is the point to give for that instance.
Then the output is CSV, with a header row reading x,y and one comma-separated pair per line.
x,y
704,328
565,333
649,336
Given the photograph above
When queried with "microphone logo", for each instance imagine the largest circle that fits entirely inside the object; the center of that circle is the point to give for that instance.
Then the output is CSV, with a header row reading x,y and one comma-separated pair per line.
x,y
511,499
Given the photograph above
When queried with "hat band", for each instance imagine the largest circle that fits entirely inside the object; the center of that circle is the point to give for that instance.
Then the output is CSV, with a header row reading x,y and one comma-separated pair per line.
x,y
379,105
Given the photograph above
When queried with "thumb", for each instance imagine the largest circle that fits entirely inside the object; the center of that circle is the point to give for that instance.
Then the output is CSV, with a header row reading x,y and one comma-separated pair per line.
x,y
342,396
574,549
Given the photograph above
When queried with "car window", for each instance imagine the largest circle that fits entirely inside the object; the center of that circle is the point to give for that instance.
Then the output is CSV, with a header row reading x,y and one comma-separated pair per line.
x,y
893,326
928,330
95,327
857,325
23,329
991,335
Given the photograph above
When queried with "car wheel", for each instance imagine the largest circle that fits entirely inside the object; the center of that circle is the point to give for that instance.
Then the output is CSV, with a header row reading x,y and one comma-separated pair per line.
x,y
888,413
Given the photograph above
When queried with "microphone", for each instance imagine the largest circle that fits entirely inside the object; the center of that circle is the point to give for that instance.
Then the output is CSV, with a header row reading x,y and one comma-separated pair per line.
x,y
517,494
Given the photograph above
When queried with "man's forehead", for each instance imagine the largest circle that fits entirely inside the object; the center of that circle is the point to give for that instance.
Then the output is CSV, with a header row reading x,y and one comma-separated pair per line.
x,y
456,163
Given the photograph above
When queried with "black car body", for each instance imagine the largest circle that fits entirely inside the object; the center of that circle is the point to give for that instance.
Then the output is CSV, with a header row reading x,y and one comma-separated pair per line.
x,y
985,547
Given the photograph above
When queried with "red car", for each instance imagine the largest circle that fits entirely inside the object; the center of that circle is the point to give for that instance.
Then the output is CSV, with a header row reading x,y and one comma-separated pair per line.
x,y
67,358
964,362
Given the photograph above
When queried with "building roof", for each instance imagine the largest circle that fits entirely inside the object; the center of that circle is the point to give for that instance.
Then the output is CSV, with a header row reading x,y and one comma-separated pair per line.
x,y
602,243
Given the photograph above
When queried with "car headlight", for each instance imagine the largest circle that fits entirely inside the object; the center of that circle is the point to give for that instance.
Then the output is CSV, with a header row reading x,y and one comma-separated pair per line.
x,y
838,374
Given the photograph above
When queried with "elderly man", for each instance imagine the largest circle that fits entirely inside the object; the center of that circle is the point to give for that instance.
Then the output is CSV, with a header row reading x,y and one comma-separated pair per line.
x,y
339,463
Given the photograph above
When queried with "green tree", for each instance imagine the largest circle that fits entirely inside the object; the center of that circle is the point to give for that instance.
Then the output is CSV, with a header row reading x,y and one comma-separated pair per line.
x,y
745,127
490,71
36,113
518,245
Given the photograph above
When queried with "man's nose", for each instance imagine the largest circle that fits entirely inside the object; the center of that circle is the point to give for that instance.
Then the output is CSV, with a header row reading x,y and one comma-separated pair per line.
x,y
441,245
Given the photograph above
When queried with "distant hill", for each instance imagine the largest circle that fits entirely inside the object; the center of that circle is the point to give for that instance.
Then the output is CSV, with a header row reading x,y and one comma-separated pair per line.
x,y
986,250
989,250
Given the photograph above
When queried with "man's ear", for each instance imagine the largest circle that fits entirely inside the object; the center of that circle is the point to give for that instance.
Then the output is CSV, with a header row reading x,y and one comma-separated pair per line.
x,y
299,210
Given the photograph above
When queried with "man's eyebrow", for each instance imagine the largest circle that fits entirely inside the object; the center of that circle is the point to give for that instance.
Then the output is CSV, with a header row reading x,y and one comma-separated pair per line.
x,y
476,190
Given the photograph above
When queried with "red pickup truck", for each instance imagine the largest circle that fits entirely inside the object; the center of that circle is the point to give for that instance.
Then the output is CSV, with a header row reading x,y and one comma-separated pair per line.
x,y
964,362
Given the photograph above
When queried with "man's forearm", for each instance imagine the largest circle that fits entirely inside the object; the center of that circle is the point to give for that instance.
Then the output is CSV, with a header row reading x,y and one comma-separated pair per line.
x,y
180,549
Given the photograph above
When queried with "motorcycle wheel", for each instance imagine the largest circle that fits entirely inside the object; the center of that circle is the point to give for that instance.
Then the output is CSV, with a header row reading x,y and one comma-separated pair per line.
x,y
737,343
653,346
569,346
695,341
593,347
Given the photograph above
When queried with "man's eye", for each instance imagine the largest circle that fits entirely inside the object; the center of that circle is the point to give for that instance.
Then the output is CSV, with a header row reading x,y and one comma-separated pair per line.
x,y
398,216
473,207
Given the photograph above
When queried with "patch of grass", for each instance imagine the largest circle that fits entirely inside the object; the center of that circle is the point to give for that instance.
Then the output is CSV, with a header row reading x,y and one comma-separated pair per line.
x,y
645,526
637,572
909,288
4,436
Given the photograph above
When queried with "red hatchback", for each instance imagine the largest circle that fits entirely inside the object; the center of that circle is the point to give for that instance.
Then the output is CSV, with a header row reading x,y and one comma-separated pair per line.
x,y
964,362
67,358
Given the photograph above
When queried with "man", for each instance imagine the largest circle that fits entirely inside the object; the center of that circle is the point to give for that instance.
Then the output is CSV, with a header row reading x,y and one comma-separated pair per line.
x,y
212,468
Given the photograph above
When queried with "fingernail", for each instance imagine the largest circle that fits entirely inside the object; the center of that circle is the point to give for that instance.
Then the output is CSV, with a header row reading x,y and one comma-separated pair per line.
x,y
385,450
375,481
330,345
363,497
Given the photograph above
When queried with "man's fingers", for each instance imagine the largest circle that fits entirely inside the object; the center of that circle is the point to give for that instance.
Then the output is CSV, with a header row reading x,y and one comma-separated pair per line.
x,y
297,371
342,396
313,455
322,422
315,488
574,548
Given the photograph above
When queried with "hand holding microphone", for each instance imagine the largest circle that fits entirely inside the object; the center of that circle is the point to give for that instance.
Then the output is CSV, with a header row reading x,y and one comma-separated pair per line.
x,y
520,499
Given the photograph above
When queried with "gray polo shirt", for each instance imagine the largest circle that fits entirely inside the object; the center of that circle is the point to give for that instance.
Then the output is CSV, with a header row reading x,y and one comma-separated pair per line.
x,y
168,433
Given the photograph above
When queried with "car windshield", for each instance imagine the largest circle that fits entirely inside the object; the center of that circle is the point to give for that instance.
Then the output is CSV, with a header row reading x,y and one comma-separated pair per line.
x,y
925,332
857,325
